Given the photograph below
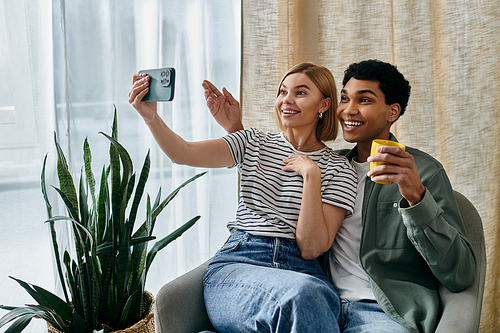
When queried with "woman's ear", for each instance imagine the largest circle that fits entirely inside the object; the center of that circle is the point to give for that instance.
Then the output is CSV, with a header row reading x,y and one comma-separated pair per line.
x,y
395,110
326,104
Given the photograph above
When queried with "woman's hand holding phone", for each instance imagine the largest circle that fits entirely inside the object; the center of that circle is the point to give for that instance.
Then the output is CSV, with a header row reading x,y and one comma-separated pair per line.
x,y
140,87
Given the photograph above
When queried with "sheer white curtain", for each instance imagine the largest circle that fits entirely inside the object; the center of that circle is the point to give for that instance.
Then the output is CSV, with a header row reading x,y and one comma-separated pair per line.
x,y
98,46
64,64
26,127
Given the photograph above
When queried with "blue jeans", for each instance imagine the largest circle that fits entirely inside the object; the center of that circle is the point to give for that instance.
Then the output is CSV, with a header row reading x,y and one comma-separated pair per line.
x,y
367,317
262,284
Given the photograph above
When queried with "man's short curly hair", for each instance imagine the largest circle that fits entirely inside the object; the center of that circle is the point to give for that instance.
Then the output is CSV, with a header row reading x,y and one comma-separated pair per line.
x,y
392,83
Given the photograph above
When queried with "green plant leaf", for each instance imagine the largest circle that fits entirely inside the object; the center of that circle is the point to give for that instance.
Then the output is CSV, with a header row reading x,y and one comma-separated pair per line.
x,y
79,278
73,211
159,208
138,259
47,299
77,324
66,183
83,200
53,235
158,199
71,281
114,128
107,295
102,209
44,188
139,252
13,314
172,195
118,197
123,263
85,291
20,324
117,219
33,311
75,223
126,309
52,301
130,188
87,157
107,247
139,191
168,239
50,316
95,289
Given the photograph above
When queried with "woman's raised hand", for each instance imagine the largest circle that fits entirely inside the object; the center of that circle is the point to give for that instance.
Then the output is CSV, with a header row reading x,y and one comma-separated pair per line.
x,y
140,87
224,108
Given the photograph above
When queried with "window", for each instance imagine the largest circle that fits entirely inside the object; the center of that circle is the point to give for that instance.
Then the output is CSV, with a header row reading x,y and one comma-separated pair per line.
x,y
73,86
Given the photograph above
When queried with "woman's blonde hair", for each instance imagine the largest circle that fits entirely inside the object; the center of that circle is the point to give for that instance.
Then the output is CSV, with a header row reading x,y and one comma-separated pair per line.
x,y
327,127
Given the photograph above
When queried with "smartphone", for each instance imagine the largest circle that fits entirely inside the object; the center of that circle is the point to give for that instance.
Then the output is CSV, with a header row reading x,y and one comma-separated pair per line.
x,y
161,84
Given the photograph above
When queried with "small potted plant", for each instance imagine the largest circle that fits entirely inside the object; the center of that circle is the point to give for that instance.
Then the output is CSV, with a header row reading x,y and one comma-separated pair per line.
x,y
103,279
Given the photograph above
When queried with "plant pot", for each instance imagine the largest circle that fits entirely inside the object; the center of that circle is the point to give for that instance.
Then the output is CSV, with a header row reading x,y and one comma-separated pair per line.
x,y
145,325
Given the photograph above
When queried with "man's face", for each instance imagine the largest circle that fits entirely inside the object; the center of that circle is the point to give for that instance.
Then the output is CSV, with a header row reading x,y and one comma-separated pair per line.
x,y
362,112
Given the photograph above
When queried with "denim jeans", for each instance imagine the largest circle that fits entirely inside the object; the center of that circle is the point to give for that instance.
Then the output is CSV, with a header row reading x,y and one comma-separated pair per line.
x,y
367,317
262,284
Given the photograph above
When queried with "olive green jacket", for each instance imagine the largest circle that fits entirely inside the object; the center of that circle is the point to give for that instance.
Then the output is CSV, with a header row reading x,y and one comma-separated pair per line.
x,y
408,251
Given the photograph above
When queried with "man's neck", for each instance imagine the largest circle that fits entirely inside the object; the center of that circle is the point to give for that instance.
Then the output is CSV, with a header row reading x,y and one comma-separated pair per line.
x,y
363,151
364,148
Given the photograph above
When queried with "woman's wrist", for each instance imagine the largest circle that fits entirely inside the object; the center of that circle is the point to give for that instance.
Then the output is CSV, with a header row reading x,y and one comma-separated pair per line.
x,y
149,121
312,174
235,128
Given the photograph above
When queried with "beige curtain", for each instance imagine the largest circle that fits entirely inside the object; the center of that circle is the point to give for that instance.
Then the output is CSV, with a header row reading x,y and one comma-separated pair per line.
x,y
448,50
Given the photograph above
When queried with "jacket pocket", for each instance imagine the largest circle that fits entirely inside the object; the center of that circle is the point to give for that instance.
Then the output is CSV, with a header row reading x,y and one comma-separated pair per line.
x,y
391,231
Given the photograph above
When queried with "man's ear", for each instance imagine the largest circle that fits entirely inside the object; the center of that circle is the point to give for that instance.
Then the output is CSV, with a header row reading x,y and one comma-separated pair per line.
x,y
395,110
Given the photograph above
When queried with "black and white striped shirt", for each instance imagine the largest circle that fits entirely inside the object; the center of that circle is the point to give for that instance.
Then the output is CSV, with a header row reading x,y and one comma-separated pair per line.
x,y
270,198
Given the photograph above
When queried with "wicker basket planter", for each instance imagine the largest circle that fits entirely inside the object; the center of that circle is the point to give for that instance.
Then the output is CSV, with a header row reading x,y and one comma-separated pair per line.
x,y
145,325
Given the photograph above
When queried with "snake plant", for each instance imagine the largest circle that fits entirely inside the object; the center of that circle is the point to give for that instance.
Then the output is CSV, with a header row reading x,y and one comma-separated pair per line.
x,y
103,278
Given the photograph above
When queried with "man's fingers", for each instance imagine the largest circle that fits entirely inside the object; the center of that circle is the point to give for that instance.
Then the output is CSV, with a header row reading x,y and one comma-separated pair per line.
x,y
392,150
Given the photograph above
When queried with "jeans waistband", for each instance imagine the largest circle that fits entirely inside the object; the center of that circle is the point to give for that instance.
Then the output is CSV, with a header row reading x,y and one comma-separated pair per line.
x,y
238,234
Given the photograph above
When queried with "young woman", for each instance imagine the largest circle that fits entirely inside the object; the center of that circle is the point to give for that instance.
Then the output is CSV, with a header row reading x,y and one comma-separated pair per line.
x,y
295,193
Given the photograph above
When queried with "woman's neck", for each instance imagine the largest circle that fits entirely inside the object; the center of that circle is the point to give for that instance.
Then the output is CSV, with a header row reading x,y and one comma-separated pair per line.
x,y
303,143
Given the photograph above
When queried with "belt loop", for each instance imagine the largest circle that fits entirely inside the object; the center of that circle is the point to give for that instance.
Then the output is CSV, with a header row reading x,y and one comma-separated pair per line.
x,y
276,249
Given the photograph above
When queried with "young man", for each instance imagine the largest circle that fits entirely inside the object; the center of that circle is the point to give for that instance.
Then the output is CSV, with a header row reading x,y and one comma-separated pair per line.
x,y
403,240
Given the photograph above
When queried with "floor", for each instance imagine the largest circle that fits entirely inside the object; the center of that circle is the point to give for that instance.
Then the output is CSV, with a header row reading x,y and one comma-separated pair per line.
x,y
25,251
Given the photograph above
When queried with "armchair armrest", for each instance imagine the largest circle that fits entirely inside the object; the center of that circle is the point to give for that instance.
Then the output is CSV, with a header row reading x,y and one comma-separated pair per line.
x,y
179,305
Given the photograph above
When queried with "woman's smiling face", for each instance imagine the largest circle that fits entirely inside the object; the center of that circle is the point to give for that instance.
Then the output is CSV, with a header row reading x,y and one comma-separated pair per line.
x,y
300,101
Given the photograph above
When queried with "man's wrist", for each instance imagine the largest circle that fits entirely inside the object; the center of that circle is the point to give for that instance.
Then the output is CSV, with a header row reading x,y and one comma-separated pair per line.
x,y
417,197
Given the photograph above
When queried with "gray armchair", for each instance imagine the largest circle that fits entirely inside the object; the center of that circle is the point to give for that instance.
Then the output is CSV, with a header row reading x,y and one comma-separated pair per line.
x,y
179,306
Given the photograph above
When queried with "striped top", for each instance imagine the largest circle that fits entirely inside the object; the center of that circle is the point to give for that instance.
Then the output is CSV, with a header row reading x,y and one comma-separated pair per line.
x,y
270,198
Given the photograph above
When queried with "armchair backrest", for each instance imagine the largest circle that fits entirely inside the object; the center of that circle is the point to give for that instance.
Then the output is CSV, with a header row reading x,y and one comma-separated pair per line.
x,y
180,308
462,311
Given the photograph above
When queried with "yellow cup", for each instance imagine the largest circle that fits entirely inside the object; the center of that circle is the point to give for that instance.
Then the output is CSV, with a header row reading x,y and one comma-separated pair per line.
x,y
379,143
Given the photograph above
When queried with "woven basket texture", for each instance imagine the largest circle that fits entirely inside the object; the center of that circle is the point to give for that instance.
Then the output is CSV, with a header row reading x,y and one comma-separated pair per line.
x,y
145,325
